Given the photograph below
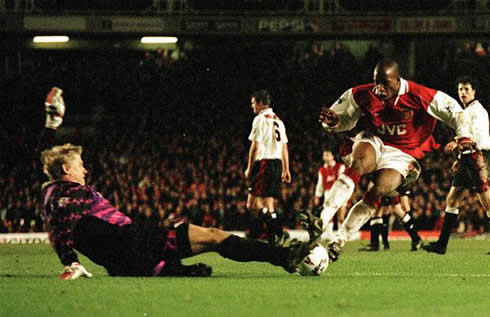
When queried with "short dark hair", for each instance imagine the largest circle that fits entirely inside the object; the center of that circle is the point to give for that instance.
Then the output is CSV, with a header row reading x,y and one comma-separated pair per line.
x,y
263,96
465,79
387,63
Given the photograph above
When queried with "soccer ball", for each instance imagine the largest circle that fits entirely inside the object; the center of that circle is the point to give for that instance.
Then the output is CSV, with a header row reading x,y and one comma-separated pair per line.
x,y
315,263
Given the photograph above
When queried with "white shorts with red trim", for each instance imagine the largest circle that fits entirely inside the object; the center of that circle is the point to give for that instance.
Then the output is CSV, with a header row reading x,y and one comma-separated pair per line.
x,y
388,157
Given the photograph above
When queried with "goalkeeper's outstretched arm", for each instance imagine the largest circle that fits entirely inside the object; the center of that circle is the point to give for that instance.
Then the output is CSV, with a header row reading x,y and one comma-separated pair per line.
x,y
54,106
58,220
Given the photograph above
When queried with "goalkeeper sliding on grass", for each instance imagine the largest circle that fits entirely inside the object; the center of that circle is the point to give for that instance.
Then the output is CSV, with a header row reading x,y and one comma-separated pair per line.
x,y
79,218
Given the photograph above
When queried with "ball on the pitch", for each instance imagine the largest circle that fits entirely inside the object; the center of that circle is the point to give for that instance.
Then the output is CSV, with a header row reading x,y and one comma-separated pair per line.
x,y
315,263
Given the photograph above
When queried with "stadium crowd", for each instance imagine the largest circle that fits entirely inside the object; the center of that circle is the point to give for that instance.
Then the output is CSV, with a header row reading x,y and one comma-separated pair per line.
x,y
149,6
165,132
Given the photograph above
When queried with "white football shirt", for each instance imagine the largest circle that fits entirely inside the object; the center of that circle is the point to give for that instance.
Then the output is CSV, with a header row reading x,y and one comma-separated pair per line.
x,y
477,117
269,131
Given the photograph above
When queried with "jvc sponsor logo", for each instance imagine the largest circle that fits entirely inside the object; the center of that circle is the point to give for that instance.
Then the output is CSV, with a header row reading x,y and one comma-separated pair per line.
x,y
394,129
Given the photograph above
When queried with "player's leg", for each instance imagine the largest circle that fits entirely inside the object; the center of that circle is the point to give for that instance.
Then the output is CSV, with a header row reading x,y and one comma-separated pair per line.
x,y
456,194
275,231
484,199
402,211
254,200
255,206
376,226
137,249
341,213
386,224
405,201
244,249
484,195
265,186
329,226
270,189
387,180
363,162
375,229
112,246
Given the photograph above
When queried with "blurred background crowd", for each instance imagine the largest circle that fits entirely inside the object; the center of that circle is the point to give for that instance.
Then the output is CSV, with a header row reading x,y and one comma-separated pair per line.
x,y
165,132
331,6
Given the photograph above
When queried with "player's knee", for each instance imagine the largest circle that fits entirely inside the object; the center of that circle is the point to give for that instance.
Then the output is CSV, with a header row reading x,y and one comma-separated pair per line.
x,y
249,205
360,167
384,188
455,195
364,159
253,203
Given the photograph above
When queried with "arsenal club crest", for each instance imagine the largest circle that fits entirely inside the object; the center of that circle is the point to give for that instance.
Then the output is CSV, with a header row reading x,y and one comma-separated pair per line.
x,y
407,114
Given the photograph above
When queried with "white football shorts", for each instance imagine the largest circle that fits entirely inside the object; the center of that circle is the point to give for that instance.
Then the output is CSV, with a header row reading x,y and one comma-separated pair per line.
x,y
388,157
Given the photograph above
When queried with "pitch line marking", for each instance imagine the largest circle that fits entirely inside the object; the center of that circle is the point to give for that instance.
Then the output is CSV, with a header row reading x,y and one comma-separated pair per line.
x,y
405,274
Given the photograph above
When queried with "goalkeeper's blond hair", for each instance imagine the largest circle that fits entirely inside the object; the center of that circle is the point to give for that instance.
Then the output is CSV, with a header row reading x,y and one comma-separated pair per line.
x,y
54,158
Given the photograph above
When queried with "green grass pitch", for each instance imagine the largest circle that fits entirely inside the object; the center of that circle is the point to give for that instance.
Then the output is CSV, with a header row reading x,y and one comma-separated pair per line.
x,y
385,283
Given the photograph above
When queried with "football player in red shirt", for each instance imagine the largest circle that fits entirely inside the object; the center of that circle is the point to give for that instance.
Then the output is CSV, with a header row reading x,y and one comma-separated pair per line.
x,y
327,175
399,118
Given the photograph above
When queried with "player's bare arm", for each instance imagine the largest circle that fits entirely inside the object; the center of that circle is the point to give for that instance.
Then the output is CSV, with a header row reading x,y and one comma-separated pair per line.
x,y
55,110
286,173
252,154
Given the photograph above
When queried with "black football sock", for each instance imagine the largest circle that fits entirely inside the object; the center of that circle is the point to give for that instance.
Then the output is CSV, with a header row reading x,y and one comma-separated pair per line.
x,y
376,226
384,231
409,227
255,228
450,220
274,226
246,250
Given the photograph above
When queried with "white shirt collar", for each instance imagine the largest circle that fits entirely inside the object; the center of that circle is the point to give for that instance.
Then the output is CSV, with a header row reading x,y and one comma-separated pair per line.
x,y
403,89
473,102
266,110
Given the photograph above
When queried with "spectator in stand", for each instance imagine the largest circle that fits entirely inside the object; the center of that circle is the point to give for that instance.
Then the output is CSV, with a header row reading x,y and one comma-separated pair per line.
x,y
480,50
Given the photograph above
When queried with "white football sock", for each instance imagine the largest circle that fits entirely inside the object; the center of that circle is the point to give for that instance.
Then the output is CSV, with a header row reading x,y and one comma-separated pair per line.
x,y
338,195
452,210
357,216
406,218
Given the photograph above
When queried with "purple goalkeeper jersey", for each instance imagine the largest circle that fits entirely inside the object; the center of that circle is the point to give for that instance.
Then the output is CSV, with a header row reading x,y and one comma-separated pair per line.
x,y
65,203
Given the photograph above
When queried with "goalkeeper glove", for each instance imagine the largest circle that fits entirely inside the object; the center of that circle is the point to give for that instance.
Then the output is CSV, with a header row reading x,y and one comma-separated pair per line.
x,y
55,108
74,271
